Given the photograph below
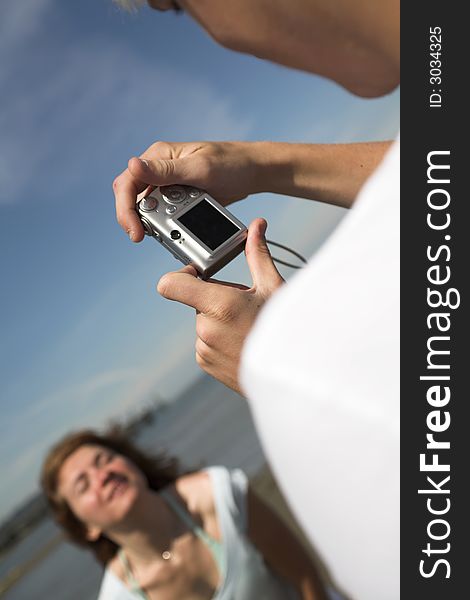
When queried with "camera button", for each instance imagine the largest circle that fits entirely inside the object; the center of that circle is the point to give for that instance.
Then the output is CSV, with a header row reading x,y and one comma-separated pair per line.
x,y
195,193
171,209
175,234
176,195
148,204
173,193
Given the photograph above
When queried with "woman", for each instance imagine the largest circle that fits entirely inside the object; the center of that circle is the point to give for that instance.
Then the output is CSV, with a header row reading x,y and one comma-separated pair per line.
x,y
164,536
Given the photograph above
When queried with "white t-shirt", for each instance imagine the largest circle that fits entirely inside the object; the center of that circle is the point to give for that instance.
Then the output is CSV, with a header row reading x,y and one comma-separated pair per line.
x,y
321,371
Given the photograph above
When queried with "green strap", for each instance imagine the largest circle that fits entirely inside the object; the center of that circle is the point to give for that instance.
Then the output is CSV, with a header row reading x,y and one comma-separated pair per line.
x,y
135,587
215,547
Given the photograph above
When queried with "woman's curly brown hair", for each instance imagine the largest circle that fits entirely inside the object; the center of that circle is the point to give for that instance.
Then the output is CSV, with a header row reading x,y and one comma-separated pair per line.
x,y
160,471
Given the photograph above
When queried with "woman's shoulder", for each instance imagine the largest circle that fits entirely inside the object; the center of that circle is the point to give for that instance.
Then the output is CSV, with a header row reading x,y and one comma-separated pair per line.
x,y
214,489
196,490
197,493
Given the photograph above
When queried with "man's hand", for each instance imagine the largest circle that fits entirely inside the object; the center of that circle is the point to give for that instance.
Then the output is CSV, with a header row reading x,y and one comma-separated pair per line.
x,y
227,170
230,171
225,311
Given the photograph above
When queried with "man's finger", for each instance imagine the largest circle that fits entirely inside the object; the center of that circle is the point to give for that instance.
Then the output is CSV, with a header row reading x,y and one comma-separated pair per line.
x,y
126,189
185,287
261,265
238,286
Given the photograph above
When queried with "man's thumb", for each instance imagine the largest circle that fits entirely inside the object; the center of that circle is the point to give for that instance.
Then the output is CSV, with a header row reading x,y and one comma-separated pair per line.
x,y
261,265
157,172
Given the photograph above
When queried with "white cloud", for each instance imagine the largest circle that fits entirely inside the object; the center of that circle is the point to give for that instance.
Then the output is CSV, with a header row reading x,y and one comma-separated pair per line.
x,y
18,22
22,464
56,409
81,394
168,375
84,102
362,120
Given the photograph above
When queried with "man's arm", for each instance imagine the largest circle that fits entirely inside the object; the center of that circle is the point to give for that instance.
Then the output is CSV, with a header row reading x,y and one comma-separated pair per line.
x,y
230,171
331,173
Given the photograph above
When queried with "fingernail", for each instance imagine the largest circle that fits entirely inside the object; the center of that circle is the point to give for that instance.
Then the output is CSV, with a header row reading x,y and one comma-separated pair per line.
x,y
262,226
131,235
144,162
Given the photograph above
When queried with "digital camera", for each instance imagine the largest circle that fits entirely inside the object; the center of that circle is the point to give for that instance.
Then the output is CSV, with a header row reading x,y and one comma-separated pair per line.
x,y
193,226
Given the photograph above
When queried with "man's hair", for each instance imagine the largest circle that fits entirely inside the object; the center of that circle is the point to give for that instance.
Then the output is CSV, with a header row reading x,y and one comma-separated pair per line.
x,y
129,5
159,470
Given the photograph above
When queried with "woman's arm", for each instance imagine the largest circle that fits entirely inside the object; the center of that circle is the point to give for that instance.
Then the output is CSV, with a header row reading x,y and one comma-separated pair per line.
x,y
281,549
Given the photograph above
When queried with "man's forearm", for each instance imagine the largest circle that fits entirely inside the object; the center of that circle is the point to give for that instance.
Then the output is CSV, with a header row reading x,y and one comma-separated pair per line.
x,y
331,173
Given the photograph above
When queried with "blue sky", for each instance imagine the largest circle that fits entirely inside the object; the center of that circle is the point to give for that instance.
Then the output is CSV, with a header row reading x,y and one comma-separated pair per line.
x,y
83,87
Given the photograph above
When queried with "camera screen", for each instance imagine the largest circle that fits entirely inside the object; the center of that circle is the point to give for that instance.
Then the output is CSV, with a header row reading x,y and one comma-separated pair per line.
x,y
208,224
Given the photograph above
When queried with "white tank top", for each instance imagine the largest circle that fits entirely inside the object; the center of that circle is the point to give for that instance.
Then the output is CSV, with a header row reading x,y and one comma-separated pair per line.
x,y
245,576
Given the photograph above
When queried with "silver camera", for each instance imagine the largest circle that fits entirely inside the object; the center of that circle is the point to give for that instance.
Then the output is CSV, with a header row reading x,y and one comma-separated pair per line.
x,y
195,228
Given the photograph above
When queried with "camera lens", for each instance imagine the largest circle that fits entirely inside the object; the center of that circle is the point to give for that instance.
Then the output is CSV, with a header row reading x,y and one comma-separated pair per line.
x,y
147,227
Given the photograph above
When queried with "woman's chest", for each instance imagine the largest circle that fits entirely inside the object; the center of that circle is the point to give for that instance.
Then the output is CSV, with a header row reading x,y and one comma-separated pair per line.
x,y
190,573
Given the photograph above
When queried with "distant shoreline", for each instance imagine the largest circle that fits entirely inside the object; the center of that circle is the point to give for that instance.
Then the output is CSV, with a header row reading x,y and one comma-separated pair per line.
x,y
16,573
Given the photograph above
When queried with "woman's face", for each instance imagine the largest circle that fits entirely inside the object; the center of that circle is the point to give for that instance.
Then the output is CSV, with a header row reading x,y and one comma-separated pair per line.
x,y
100,487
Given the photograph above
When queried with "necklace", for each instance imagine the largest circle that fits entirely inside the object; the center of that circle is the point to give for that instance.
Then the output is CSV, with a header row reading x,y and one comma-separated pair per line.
x,y
129,575
166,555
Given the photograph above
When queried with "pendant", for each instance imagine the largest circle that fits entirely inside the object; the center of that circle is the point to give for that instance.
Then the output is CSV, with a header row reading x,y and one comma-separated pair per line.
x,y
166,555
